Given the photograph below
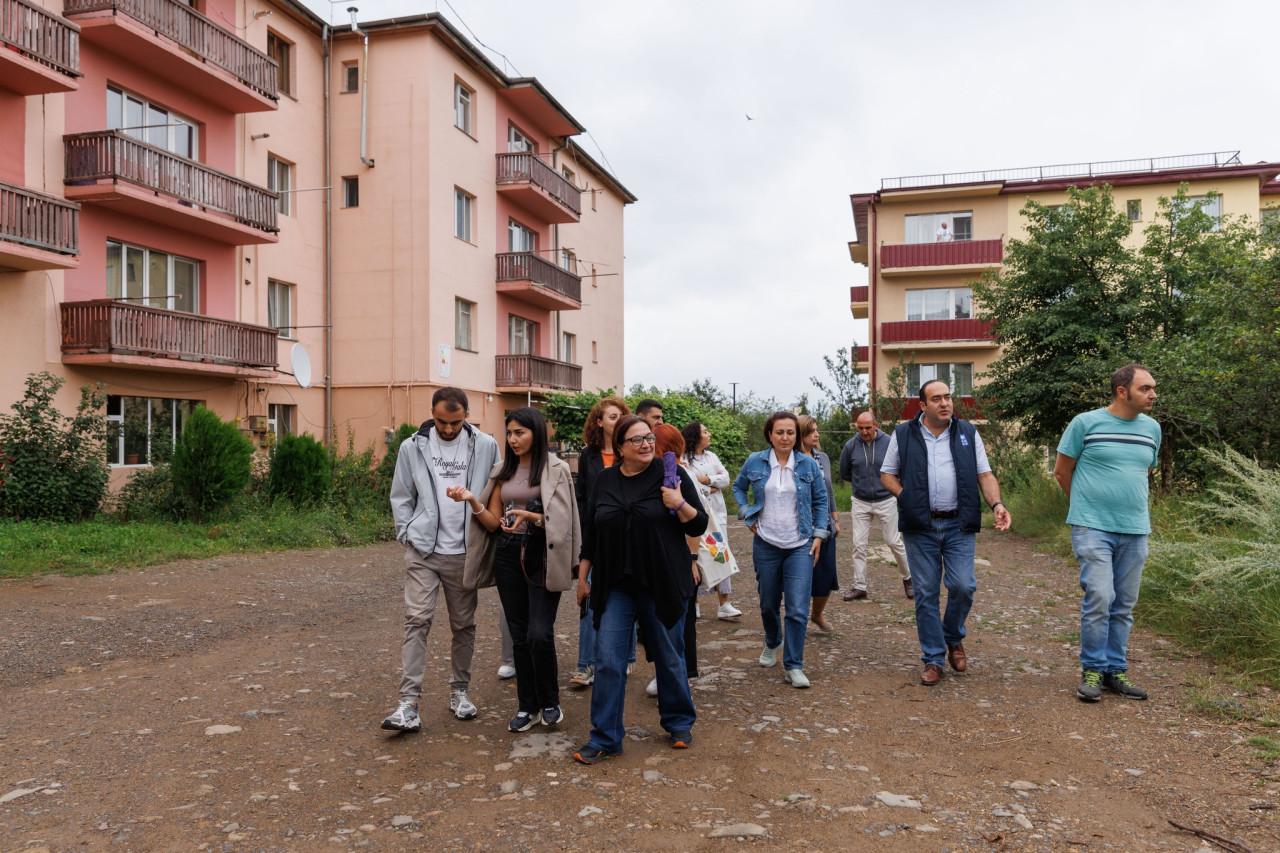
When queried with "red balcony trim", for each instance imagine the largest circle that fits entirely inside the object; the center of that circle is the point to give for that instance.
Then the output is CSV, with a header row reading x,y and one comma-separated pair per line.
x,y
49,39
859,294
531,371
919,331
525,167
38,220
955,253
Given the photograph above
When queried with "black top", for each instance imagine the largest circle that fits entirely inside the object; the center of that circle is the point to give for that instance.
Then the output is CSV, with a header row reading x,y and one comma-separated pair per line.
x,y
590,464
636,544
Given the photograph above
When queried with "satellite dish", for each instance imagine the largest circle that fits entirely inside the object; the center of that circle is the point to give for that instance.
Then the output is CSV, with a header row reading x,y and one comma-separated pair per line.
x,y
301,365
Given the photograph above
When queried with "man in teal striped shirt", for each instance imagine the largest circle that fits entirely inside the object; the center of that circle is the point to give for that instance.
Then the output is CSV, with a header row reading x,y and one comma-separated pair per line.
x,y
1102,465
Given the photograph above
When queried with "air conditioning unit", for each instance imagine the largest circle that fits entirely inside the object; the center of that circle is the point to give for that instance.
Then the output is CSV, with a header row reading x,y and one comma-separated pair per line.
x,y
258,423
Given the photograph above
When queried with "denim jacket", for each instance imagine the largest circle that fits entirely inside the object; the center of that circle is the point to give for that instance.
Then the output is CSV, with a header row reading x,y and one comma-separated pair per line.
x,y
811,492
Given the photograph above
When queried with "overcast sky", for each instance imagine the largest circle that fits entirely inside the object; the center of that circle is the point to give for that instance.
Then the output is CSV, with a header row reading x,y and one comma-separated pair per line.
x,y
737,251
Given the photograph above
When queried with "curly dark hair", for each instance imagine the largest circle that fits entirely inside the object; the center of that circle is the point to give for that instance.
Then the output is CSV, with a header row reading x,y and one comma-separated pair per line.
x,y
592,432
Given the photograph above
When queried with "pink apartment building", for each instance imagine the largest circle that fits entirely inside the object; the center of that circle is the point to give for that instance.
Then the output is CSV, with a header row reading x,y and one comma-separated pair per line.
x,y
194,196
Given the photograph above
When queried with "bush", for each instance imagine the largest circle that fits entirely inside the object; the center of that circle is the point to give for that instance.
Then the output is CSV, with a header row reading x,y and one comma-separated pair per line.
x,y
53,466
358,489
211,464
149,496
387,464
299,470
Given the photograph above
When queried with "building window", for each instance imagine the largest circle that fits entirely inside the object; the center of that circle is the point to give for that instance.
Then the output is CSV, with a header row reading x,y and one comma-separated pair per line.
x,y
1133,208
462,107
143,430
1210,206
280,180
568,348
568,175
593,276
280,418
944,303
520,238
522,336
939,227
517,142
350,77
280,307
568,261
462,215
959,377
595,353
282,52
350,192
151,124
464,319
154,279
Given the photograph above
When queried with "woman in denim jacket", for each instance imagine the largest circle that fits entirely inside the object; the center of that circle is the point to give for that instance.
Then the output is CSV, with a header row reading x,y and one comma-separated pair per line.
x,y
787,512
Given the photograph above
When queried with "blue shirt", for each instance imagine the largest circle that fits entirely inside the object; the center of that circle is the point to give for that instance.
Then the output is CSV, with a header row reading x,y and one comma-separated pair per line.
x,y
1109,484
942,468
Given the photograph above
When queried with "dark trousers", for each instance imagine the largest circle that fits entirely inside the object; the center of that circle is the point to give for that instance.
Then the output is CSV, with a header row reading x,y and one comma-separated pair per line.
x,y
531,618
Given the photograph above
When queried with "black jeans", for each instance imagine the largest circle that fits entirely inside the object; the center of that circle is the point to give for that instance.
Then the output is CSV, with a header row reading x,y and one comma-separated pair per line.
x,y
531,617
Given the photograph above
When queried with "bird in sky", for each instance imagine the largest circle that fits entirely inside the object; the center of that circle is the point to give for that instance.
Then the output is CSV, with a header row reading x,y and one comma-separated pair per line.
x,y
749,118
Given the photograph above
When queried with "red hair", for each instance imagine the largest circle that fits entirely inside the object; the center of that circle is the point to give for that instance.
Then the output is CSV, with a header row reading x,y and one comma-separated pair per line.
x,y
669,440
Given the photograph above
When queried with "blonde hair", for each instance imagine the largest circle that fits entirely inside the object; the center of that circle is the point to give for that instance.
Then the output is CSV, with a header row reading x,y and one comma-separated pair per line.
x,y
805,424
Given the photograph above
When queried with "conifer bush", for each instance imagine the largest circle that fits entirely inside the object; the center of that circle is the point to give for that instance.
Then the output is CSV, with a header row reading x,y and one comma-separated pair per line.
x,y
299,470
211,464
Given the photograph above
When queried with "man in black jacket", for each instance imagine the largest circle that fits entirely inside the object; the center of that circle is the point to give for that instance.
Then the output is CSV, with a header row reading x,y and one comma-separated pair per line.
x,y
860,463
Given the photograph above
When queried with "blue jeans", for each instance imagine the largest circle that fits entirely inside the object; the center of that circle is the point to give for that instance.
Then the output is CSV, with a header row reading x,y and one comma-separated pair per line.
x,y
784,573
942,556
615,640
587,638
1110,574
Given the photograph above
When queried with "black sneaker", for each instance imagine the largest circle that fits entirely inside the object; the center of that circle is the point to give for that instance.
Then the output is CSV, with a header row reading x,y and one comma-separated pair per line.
x,y
1090,687
591,755
681,740
1118,682
552,716
524,721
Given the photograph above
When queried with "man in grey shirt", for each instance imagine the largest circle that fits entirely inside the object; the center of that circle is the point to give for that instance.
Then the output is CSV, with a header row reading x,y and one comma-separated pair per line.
x,y
860,462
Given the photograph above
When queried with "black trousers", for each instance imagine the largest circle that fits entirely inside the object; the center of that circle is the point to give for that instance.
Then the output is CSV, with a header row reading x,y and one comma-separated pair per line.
x,y
531,618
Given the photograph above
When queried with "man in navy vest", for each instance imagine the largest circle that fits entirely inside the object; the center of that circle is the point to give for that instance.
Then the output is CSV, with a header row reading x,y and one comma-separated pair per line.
x,y
937,468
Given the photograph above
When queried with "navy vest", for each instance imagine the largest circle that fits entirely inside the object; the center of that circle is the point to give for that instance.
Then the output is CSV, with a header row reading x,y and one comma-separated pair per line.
x,y
913,472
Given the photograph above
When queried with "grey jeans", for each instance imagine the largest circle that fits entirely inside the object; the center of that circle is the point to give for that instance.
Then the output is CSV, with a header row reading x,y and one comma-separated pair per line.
x,y
424,578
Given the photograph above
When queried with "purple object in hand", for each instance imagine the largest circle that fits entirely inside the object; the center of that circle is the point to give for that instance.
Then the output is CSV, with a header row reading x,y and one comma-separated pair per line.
x,y
670,475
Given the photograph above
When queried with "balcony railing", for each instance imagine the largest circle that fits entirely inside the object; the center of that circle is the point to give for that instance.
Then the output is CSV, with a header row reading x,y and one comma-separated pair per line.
x,y
120,328
921,331
528,266
111,155
40,35
955,253
38,220
187,27
1213,159
531,371
524,167
859,294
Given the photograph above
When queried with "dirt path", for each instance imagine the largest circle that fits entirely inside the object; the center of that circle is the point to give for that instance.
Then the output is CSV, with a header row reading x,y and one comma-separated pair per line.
x,y
113,688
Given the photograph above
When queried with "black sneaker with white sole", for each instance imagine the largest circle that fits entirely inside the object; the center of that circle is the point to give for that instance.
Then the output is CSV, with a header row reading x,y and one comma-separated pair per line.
x,y
524,721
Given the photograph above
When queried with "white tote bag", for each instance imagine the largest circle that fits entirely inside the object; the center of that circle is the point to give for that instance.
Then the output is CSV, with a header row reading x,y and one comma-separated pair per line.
x,y
715,561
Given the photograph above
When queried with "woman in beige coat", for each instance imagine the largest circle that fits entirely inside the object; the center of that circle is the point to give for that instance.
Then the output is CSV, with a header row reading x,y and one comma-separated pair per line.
x,y
530,508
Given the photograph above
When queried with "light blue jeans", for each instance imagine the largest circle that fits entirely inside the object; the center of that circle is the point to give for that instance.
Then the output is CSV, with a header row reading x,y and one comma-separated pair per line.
x,y
784,573
942,556
1110,575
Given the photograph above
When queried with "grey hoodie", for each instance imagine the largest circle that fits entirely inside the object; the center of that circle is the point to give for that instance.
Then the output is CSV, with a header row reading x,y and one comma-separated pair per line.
x,y
860,463
414,502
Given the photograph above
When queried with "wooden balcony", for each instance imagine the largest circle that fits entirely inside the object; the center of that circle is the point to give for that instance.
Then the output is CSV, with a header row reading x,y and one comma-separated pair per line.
x,y
533,373
535,280
172,40
37,231
941,257
150,183
532,183
913,333
858,301
108,332
39,51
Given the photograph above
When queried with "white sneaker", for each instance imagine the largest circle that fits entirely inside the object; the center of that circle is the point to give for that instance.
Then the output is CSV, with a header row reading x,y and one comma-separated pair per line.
x,y
630,667
506,671
797,678
697,610
728,611
652,689
404,718
769,656
462,706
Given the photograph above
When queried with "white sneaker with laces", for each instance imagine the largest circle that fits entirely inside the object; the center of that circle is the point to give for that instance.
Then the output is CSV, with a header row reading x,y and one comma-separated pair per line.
x,y
652,689
404,718
728,611
797,678
462,706
506,671
769,656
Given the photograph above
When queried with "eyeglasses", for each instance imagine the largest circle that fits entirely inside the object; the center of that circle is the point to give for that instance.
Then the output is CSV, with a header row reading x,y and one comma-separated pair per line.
x,y
638,440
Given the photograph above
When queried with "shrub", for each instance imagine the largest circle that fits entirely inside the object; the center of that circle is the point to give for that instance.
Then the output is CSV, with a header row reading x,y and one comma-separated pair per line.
x,y
149,496
387,464
211,463
357,486
299,470
53,466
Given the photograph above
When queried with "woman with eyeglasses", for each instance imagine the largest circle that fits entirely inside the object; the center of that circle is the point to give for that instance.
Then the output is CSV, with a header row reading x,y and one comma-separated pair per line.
x,y
529,503
824,571
787,512
634,546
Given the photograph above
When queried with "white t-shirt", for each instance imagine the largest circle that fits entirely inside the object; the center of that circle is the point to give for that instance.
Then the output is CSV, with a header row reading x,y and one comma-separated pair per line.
x,y
449,460
942,235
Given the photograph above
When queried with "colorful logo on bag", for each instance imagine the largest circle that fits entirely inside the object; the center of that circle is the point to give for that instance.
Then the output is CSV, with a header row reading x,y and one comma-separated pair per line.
x,y
714,543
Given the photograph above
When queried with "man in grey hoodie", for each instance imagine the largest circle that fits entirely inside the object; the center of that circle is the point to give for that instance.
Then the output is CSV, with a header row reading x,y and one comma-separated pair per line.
x,y
860,463
446,451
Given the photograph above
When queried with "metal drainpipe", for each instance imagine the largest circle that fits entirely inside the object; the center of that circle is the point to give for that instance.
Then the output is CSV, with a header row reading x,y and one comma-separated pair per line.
x,y
555,250
328,246
364,89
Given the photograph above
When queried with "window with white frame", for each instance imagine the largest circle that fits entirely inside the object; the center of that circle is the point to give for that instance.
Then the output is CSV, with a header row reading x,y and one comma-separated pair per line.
x,y
280,179
280,419
940,303
464,313
1210,206
568,175
282,52
1133,209
938,227
520,238
959,377
517,141
568,260
568,348
462,96
152,124
522,336
156,279
280,307
462,214
351,192
143,430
